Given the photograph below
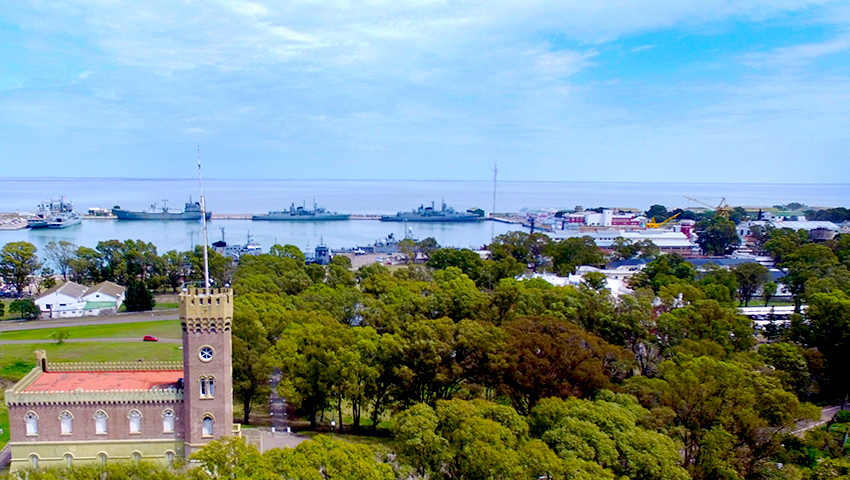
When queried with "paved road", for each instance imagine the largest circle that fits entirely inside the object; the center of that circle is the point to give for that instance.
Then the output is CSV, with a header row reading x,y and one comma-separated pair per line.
x,y
13,325
825,416
84,340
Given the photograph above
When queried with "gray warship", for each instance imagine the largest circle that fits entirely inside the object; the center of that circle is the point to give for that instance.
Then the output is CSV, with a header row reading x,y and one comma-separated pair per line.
x,y
431,214
192,211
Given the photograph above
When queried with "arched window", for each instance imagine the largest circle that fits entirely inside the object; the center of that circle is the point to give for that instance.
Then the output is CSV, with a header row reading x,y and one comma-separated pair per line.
x,y
101,457
207,387
69,460
31,419
207,426
137,457
100,422
135,421
168,421
170,456
34,460
65,423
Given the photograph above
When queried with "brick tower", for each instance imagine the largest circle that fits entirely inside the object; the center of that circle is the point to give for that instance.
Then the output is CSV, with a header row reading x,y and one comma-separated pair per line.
x,y
207,367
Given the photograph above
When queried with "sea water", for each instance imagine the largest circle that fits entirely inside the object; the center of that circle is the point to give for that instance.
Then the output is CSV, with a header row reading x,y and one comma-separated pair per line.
x,y
370,197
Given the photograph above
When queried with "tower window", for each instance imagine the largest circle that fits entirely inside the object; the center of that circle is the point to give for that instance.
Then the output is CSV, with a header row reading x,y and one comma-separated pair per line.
x,y
100,422
32,423
168,421
207,426
211,387
65,425
135,422
206,353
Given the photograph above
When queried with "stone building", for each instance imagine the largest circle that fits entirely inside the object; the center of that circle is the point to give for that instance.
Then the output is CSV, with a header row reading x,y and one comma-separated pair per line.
x,y
64,413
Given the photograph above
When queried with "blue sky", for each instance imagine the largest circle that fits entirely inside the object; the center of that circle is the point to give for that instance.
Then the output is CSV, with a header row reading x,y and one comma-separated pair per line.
x,y
661,90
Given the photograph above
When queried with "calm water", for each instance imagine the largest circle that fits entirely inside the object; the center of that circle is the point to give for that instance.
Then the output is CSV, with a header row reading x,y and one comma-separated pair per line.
x,y
360,197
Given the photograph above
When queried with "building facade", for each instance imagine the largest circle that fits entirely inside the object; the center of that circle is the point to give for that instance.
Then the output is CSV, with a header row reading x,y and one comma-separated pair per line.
x,y
64,413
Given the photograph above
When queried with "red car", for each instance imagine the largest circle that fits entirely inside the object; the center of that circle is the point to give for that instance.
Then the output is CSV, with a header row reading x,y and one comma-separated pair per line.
x,y
150,338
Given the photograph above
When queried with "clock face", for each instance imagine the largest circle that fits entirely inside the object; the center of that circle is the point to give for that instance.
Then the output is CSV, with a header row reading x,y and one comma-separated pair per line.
x,y
206,354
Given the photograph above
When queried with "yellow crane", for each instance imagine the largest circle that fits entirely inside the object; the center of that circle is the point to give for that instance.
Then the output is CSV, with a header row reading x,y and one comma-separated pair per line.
x,y
721,210
653,224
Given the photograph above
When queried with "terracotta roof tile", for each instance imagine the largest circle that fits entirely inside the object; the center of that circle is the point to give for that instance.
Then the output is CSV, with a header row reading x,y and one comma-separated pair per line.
x,y
100,381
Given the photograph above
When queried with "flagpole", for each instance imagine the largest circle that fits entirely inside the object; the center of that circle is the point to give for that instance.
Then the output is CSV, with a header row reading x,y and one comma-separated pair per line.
x,y
204,223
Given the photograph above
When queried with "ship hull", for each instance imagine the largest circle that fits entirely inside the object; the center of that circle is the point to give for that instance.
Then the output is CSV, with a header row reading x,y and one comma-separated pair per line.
x,y
128,215
286,217
433,219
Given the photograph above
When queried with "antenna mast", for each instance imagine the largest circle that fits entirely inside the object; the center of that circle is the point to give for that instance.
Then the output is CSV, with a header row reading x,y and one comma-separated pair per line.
x,y
493,211
204,223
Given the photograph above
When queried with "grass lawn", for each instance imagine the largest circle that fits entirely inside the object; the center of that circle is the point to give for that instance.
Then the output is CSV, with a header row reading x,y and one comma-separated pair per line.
x,y
161,328
16,360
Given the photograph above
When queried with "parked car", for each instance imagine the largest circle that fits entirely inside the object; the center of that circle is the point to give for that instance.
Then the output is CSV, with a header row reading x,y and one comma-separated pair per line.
x,y
151,338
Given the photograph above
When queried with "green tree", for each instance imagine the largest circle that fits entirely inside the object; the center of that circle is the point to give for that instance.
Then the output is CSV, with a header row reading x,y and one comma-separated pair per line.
x,y
61,253
230,458
717,236
326,458
527,249
138,297
570,253
466,260
288,251
729,418
252,362
768,292
546,357
18,261
751,276
606,431
427,246
25,307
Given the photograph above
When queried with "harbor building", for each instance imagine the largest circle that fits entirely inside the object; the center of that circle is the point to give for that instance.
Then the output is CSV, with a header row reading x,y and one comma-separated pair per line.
x,y
64,413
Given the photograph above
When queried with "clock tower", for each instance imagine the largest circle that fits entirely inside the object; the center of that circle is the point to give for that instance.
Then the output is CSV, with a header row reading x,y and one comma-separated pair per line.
x,y
206,319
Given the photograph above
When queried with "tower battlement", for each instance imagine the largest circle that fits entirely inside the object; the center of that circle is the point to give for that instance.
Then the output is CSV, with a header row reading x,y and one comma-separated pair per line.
x,y
201,311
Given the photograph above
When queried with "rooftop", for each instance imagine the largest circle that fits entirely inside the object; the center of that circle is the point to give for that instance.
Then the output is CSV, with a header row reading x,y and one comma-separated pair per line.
x,y
105,380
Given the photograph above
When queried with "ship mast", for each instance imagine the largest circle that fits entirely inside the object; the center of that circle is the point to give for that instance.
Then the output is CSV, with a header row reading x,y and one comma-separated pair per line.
x,y
204,223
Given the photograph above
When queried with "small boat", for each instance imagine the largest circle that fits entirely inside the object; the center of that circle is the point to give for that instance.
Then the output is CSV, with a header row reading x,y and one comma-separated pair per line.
x,y
303,214
236,251
191,211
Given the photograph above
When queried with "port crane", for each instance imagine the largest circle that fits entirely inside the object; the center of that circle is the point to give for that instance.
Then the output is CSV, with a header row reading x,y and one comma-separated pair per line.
x,y
653,224
721,210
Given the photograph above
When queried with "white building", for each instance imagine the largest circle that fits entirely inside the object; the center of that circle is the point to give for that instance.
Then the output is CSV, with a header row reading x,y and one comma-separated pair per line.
x,y
668,241
74,300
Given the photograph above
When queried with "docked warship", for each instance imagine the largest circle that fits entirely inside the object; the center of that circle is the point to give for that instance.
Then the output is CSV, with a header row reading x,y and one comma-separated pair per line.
x,y
431,214
55,214
192,211
303,214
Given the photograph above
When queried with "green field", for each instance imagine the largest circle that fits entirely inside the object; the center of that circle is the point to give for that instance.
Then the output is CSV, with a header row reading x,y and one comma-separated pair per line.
x,y
161,329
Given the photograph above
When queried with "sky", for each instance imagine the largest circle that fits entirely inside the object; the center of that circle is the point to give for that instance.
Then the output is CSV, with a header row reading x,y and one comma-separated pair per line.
x,y
572,90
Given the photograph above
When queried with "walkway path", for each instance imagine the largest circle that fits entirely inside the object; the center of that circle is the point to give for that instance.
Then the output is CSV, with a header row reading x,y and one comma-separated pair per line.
x,y
825,416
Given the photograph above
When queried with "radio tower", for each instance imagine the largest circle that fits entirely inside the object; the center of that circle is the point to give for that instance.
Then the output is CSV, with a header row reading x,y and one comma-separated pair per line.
x,y
493,211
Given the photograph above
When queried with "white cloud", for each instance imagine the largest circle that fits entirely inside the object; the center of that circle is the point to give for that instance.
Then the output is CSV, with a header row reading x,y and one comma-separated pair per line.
x,y
564,63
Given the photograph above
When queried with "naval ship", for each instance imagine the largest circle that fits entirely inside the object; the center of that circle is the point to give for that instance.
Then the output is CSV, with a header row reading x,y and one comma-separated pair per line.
x,y
192,211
